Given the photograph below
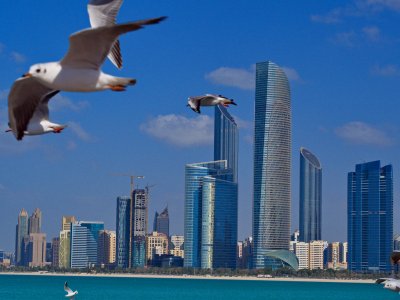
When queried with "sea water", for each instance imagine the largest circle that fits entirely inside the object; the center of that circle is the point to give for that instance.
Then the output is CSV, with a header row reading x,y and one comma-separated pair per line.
x,y
51,287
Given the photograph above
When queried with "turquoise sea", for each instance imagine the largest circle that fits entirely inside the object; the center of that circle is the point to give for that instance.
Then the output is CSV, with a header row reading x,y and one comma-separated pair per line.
x,y
51,287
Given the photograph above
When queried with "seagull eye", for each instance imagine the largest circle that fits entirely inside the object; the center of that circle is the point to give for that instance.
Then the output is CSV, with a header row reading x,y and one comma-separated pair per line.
x,y
37,70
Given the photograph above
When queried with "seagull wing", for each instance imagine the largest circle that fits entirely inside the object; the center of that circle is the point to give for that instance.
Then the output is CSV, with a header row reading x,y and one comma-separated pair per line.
x,y
194,102
42,110
382,280
27,95
104,13
67,289
89,48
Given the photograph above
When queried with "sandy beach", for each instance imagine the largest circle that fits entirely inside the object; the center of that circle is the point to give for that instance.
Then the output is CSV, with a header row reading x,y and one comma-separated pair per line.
x,y
292,279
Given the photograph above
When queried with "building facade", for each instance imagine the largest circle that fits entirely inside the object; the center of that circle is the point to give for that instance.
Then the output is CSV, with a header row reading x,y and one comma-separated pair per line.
x,y
176,246
84,243
35,244
66,222
35,222
106,248
316,255
21,232
64,253
162,222
272,168
370,217
156,244
310,197
123,232
139,226
55,247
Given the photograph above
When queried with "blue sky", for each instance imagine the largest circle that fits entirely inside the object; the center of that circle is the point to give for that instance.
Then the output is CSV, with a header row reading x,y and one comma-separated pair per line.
x,y
342,59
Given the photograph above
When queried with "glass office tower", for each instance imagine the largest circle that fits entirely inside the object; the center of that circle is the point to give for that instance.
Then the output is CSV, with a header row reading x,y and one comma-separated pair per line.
x,y
310,197
272,159
123,231
21,232
370,217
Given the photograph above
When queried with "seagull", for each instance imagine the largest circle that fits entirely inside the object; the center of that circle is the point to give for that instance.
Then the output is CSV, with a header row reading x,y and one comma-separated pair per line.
x,y
104,13
208,100
390,284
78,71
28,110
70,294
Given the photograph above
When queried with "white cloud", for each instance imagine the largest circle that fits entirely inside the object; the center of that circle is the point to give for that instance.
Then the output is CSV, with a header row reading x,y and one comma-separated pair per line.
x,y
363,134
347,39
244,79
372,33
179,130
60,102
386,71
240,78
381,4
79,131
291,74
17,57
334,16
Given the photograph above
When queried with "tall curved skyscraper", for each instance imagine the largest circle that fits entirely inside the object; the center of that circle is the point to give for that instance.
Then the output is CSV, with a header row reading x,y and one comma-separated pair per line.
x,y
272,159
310,197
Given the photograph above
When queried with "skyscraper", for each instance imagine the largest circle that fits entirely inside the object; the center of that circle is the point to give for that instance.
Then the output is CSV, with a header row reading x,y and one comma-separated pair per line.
x,y
370,217
64,253
66,222
123,232
56,251
211,199
162,222
35,222
35,244
272,159
21,231
139,227
310,197
84,243
106,247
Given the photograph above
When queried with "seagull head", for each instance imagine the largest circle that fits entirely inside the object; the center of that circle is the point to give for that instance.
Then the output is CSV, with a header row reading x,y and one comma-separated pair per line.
x,y
37,70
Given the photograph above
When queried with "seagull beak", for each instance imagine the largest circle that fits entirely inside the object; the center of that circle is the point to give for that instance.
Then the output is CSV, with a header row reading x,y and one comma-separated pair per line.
x,y
27,75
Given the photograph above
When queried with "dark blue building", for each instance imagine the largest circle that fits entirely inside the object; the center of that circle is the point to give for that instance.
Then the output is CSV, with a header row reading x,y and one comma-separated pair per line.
x,y
310,197
370,217
123,231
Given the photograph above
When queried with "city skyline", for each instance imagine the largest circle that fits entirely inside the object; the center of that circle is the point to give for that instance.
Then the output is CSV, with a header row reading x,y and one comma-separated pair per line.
x,y
341,59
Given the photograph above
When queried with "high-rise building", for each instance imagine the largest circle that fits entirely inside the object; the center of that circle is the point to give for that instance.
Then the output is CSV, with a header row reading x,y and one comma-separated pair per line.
x,y
162,222
316,253
84,243
156,244
35,222
370,217
211,200
55,242
301,249
176,246
66,222
21,232
272,172
35,244
310,197
64,253
343,253
139,227
106,247
123,232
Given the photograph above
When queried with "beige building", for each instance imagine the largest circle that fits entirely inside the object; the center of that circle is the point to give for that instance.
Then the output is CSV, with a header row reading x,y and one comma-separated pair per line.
x,y
64,259
316,255
36,249
106,247
177,245
66,222
156,243
301,250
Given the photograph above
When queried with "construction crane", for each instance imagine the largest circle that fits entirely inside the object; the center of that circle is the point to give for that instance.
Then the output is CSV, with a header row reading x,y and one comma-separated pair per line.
x,y
132,177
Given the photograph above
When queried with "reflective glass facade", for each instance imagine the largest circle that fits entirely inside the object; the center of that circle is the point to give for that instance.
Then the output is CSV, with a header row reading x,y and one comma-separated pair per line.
x,y
139,227
370,217
272,159
123,231
210,215
84,237
310,197
21,231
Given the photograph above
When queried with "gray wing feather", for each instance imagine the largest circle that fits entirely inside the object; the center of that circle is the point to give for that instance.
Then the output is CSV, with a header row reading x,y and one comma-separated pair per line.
x,y
89,48
104,13
25,97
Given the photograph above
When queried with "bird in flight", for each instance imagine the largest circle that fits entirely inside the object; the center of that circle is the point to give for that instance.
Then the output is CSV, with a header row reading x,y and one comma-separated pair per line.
x,y
390,283
208,100
79,71
70,293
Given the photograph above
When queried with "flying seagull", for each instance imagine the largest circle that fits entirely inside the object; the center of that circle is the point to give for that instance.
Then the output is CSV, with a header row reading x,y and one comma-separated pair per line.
x,y
78,71
390,284
208,100
104,13
28,110
70,294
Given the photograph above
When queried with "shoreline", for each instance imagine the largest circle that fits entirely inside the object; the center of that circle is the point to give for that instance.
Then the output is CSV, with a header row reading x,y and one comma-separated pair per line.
x,y
118,275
